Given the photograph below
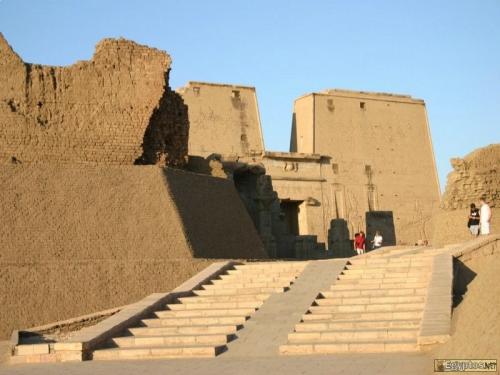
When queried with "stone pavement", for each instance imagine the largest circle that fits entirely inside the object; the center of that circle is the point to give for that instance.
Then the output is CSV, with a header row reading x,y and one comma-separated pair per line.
x,y
344,364
270,326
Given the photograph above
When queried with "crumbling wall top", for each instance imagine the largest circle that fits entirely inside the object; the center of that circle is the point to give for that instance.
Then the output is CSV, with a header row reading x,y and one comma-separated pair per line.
x,y
116,108
476,175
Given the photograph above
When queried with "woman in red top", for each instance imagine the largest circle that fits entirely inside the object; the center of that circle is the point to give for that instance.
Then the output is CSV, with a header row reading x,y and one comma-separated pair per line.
x,y
359,243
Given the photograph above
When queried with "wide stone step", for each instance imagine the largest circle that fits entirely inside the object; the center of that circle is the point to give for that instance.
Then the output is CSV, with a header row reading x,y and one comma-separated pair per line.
x,y
328,325
372,315
204,313
264,273
271,272
214,292
253,278
419,255
350,347
180,340
383,280
387,270
375,292
230,285
385,286
201,321
157,353
272,265
386,264
368,300
348,275
184,330
352,335
433,250
214,305
224,298
382,261
367,307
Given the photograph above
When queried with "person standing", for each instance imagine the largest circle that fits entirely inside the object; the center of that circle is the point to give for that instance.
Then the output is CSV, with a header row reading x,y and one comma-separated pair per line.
x,y
473,222
485,217
359,243
377,241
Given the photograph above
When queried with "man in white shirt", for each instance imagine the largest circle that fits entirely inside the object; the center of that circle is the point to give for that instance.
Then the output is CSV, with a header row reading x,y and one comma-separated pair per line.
x,y
485,217
377,241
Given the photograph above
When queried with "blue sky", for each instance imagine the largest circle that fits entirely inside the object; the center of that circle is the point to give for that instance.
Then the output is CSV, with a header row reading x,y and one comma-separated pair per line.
x,y
445,52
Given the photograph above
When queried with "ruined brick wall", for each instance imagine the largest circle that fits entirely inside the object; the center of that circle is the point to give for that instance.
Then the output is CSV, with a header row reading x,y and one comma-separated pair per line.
x,y
76,239
473,177
114,109
84,229
476,175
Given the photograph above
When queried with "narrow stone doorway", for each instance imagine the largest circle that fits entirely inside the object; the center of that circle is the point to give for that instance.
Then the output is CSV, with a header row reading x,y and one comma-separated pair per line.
x,y
290,211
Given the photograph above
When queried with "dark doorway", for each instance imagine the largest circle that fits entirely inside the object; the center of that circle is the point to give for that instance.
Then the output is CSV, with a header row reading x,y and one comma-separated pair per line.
x,y
290,212
382,221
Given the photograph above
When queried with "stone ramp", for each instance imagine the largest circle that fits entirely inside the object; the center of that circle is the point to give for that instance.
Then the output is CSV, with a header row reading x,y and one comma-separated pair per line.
x,y
268,329
201,325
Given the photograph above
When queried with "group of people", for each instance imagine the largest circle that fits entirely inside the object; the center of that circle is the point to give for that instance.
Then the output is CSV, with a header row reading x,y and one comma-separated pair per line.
x,y
479,218
478,223
360,242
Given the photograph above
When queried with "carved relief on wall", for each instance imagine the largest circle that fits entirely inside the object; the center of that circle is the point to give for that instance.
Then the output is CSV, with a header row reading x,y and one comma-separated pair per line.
x,y
418,223
291,166
372,197
345,205
310,201
337,208
355,214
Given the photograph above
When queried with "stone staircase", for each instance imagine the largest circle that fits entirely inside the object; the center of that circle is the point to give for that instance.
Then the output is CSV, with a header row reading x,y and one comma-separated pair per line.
x,y
202,324
375,305
396,299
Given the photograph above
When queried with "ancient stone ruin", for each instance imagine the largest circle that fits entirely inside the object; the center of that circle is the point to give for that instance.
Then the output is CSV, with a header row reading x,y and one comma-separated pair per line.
x,y
352,154
101,208
114,109
474,176
83,216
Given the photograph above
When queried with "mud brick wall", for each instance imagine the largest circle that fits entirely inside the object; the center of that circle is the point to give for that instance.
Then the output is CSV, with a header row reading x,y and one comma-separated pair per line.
x,y
116,108
474,176
76,239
